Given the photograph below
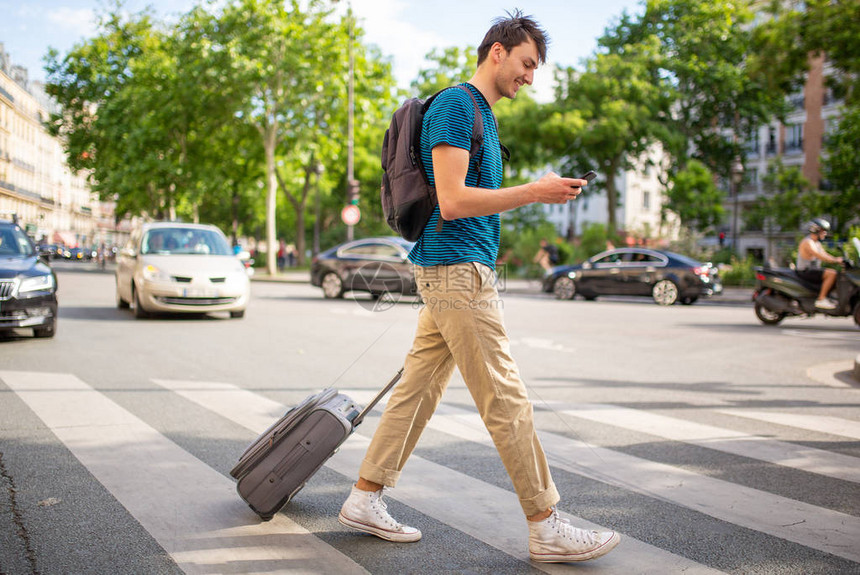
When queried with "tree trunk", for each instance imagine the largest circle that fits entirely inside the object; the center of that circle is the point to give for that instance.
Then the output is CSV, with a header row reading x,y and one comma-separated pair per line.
x,y
299,205
271,201
611,199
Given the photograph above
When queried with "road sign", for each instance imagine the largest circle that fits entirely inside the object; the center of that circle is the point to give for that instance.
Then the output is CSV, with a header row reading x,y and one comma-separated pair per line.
x,y
350,214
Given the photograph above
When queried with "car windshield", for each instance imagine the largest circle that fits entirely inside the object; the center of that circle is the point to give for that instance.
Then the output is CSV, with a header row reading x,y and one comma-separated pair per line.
x,y
174,241
14,243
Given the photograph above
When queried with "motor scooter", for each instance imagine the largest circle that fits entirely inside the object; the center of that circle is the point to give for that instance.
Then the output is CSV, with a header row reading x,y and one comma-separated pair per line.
x,y
780,293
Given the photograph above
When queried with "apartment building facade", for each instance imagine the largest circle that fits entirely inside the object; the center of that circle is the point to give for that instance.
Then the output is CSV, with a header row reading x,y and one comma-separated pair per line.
x,y
797,142
36,184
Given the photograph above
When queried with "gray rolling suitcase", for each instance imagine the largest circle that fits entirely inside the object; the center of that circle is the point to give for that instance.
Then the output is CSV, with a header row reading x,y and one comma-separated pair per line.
x,y
279,462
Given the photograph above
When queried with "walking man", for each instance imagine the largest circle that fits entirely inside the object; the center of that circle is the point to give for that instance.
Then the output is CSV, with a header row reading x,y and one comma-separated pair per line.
x,y
461,323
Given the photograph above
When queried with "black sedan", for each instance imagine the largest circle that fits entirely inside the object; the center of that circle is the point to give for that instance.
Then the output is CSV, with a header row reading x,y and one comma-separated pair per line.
x,y
665,276
28,286
374,265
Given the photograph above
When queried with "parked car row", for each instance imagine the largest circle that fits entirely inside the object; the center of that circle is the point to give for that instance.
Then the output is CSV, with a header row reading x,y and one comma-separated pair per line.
x,y
380,265
190,268
57,251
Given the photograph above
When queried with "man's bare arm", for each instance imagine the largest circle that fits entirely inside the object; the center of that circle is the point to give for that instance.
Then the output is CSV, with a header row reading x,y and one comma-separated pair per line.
x,y
456,200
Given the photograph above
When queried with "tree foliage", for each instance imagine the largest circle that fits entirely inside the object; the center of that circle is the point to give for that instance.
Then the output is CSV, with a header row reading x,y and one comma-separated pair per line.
x,y
705,50
795,30
694,197
447,67
787,203
195,119
607,117
842,169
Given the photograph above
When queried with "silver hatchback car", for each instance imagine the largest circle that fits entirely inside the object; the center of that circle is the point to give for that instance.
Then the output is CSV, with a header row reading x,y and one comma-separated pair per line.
x,y
180,268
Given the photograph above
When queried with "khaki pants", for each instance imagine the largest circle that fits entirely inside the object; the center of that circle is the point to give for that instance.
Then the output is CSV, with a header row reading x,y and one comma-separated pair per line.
x,y
461,325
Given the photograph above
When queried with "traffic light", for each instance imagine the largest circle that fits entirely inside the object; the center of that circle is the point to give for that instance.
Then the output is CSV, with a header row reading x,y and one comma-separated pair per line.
x,y
352,192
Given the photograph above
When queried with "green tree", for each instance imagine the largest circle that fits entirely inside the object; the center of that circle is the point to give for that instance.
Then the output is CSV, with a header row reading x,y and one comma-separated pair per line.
x,y
694,197
842,170
277,53
706,48
146,119
448,67
607,117
788,201
88,84
794,31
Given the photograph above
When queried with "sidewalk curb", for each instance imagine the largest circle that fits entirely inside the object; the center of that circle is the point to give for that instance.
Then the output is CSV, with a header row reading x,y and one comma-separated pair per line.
x,y
856,371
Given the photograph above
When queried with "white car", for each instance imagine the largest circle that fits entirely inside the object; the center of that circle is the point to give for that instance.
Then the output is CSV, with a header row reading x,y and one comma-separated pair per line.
x,y
184,268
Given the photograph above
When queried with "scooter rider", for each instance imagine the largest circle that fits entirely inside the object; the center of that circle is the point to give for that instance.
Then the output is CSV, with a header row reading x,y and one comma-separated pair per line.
x,y
810,254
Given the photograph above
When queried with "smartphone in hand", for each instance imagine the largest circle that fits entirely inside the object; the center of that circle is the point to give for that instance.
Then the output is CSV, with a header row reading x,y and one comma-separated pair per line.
x,y
588,177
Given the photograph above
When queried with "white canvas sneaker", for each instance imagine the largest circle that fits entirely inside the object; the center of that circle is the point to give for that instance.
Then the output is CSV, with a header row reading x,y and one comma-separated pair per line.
x,y
366,511
555,540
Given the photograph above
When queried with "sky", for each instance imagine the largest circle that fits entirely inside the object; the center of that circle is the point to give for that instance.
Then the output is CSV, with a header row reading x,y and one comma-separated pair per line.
x,y
405,30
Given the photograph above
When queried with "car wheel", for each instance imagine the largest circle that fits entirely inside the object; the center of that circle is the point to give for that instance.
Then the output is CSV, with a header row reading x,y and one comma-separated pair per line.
x,y
139,312
237,314
857,314
120,303
665,292
332,286
564,288
46,330
689,300
769,317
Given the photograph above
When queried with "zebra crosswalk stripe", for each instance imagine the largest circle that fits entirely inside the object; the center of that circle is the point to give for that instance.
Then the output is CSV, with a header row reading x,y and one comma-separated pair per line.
x,y
190,509
819,423
486,512
815,527
799,457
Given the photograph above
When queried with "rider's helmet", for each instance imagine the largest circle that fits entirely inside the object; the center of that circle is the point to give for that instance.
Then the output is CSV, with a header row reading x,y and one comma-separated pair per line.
x,y
816,225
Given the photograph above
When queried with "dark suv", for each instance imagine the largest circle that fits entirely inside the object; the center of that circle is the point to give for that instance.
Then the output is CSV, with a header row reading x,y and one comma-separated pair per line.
x,y
28,285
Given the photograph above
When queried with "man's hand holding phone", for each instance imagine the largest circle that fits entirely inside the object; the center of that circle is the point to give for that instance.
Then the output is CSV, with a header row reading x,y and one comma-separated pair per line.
x,y
587,176
554,189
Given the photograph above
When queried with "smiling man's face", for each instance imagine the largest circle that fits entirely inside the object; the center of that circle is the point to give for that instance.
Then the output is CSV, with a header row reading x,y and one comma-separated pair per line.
x,y
517,68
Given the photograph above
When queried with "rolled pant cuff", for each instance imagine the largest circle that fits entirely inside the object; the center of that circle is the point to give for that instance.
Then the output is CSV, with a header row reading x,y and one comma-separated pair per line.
x,y
540,502
372,472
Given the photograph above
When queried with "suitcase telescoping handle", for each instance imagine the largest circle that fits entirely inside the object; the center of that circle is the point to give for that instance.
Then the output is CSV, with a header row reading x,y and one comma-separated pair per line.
x,y
360,417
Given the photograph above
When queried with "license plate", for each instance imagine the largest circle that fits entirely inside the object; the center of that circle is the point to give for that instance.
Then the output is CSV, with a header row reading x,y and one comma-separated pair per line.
x,y
199,292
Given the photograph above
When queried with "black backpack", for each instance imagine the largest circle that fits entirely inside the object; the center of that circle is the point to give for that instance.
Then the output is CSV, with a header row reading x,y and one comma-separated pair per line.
x,y
408,199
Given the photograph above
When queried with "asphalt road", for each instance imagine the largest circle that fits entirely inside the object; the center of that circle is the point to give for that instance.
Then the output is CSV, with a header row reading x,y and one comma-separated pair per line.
x,y
710,442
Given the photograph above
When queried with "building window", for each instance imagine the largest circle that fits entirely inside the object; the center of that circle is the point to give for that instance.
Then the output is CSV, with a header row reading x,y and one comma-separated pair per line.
x,y
750,182
646,200
751,144
793,138
771,140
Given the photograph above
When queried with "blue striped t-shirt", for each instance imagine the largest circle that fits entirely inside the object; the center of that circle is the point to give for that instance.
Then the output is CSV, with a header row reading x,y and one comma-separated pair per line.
x,y
450,120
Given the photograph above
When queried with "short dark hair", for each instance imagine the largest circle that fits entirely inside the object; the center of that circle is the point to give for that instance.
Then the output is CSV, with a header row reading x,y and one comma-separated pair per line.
x,y
513,31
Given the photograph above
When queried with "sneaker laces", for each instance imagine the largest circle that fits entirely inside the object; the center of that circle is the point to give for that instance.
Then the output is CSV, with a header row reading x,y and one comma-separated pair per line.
x,y
382,511
565,529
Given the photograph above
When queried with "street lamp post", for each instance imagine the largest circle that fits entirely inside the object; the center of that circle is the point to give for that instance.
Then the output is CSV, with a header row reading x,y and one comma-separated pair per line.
x,y
737,176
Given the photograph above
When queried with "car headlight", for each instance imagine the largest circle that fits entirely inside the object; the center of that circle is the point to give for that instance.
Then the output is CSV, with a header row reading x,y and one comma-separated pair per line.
x,y
154,274
36,283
